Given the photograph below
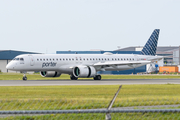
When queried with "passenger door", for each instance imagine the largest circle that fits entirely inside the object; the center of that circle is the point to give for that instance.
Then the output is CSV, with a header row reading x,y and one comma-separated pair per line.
x,y
31,60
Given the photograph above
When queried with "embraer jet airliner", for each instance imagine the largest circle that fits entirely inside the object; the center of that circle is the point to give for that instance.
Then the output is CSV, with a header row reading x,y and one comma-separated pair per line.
x,y
85,65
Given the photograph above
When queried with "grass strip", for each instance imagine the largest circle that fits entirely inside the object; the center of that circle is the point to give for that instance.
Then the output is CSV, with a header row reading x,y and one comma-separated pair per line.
x,y
85,96
18,76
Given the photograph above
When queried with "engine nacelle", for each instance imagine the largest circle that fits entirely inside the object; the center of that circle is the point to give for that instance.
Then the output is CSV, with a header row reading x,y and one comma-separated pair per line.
x,y
50,74
84,71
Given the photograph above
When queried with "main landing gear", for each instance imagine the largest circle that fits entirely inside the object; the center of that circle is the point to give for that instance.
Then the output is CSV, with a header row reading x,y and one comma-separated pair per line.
x,y
97,77
73,77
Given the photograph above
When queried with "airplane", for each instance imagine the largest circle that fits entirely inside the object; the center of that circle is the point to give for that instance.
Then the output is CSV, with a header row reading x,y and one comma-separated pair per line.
x,y
85,65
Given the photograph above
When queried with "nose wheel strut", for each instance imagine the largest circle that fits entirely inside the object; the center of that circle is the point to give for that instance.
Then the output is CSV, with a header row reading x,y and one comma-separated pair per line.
x,y
24,77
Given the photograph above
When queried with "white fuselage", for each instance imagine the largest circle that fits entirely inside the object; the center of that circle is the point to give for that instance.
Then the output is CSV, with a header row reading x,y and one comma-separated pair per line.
x,y
64,63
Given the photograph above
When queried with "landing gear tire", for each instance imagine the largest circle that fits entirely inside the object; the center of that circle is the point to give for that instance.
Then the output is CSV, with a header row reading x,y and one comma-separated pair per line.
x,y
72,77
97,77
25,78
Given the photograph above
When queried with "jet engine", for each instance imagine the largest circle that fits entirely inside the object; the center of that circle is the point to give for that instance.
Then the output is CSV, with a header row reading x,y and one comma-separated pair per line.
x,y
50,74
84,71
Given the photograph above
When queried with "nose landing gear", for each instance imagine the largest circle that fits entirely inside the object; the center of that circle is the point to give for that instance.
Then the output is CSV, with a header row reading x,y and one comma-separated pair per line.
x,y
24,76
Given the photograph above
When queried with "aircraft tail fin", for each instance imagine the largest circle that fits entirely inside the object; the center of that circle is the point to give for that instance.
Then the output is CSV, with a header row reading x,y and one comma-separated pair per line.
x,y
151,45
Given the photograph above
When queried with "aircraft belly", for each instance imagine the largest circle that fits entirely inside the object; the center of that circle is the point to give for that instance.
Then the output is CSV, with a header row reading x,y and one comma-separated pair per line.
x,y
65,69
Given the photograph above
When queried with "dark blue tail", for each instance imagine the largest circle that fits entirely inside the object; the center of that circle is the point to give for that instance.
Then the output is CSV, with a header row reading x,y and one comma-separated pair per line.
x,y
151,45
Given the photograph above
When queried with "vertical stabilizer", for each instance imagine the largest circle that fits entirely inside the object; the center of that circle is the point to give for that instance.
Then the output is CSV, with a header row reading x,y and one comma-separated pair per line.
x,y
151,45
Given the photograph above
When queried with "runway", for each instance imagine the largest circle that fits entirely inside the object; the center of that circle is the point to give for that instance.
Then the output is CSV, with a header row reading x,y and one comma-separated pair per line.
x,y
87,82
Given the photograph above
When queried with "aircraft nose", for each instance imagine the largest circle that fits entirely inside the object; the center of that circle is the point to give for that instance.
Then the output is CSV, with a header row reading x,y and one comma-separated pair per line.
x,y
9,66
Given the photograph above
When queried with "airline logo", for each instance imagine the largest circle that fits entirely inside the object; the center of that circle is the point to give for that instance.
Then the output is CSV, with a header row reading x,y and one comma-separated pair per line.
x,y
49,64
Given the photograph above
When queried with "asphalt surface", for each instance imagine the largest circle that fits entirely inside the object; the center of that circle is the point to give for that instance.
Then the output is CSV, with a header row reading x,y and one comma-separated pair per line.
x,y
87,82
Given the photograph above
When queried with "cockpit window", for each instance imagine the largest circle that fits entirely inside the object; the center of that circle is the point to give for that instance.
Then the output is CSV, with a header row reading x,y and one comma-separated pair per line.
x,y
21,59
16,59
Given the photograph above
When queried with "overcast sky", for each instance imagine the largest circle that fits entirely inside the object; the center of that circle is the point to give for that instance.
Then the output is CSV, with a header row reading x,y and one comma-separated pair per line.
x,y
82,25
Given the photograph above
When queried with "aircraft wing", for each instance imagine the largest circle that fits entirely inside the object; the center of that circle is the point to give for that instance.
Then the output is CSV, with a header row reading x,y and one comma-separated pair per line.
x,y
101,65
118,63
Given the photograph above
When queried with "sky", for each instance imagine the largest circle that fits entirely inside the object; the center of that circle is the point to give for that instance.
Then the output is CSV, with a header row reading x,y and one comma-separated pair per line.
x,y
47,26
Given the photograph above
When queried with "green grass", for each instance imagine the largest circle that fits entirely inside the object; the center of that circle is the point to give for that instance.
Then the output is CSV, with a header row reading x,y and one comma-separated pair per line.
x,y
18,76
86,97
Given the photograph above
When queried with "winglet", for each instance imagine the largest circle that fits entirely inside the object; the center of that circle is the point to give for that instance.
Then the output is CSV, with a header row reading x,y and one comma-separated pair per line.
x,y
151,45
